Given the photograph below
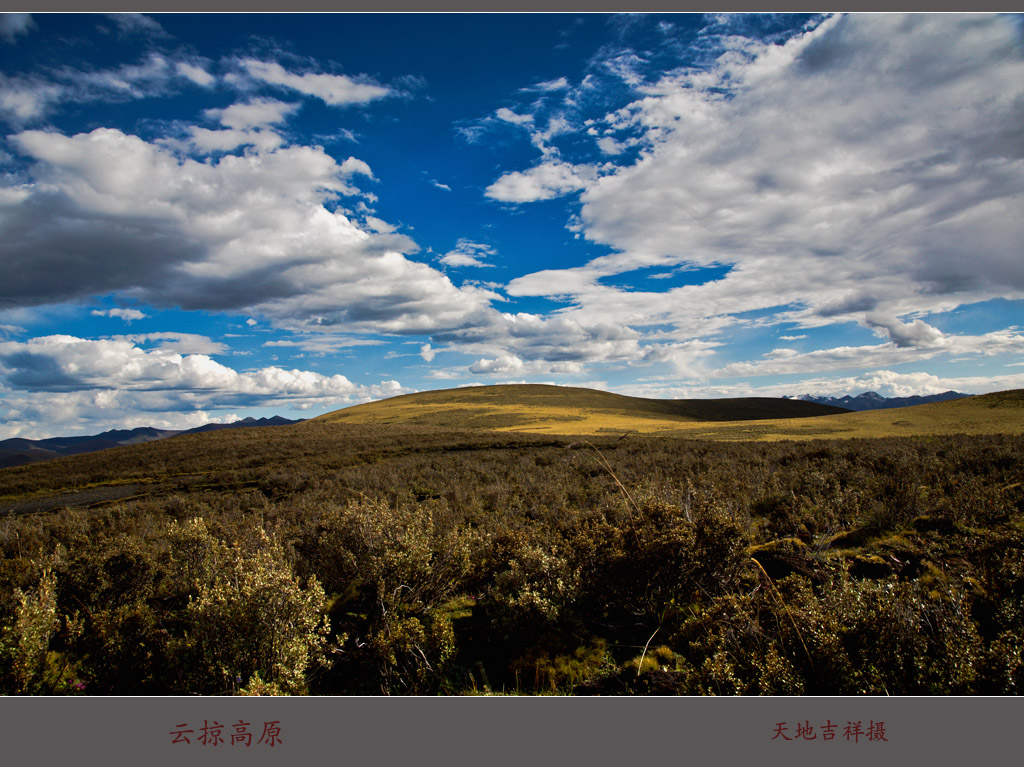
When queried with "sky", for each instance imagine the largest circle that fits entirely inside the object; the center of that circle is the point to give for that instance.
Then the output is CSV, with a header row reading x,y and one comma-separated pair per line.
x,y
208,217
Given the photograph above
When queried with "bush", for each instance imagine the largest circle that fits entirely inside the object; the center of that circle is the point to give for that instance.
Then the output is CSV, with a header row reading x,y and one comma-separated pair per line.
x,y
250,617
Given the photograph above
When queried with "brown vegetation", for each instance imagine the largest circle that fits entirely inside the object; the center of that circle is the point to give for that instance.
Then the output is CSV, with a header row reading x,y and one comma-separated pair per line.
x,y
343,558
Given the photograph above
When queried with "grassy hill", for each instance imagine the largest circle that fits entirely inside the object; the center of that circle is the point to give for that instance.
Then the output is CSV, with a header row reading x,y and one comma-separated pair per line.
x,y
995,413
565,410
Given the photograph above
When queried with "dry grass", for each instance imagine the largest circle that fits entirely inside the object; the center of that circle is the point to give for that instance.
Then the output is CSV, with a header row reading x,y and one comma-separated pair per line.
x,y
567,411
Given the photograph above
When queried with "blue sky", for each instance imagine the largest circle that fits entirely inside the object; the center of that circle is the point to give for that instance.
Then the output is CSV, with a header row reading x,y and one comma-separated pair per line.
x,y
204,217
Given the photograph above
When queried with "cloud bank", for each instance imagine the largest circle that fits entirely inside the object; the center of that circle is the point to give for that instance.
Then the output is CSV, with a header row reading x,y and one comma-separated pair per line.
x,y
843,177
100,379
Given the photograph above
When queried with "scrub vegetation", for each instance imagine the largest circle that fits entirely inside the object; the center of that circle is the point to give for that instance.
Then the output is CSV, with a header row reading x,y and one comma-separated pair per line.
x,y
345,558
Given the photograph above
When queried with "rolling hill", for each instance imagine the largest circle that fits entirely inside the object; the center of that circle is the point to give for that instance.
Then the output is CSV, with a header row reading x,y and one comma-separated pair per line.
x,y
573,411
566,410
994,413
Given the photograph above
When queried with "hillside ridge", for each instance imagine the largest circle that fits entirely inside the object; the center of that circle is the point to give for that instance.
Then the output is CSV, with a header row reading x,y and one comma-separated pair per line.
x,y
547,409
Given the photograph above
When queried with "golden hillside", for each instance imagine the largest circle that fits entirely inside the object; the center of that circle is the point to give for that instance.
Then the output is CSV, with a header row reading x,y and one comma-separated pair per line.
x,y
566,410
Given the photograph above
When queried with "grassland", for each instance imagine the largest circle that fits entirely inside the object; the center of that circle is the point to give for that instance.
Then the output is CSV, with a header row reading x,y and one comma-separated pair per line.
x,y
333,557
572,411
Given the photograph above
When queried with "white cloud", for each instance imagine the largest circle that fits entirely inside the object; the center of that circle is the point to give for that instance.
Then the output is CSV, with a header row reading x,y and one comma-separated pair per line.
x,y
353,166
336,90
507,115
885,382
255,113
324,343
23,99
468,253
560,84
840,174
505,363
125,314
542,182
149,77
27,98
206,141
1000,343
109,212
117,381
195,73
533,344
912,334
179,343
609,145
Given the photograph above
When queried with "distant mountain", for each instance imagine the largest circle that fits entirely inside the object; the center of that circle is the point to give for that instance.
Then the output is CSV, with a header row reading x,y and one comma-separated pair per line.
x,y
870,400
245,422
17,451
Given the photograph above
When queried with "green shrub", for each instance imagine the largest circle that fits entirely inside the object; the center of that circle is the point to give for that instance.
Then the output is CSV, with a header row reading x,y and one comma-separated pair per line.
x,y
251,617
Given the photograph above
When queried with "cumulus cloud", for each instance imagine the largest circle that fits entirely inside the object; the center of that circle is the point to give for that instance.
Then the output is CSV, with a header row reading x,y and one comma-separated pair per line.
x,y
255,113
108,212
336,90
904,334
542,182
117,379
838,173
609,145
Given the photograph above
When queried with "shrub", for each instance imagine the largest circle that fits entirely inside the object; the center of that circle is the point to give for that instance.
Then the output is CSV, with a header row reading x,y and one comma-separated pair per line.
x,y
250,617
25,642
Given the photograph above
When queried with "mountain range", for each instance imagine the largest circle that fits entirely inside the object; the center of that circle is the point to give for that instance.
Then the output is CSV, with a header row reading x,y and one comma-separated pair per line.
x,y
870,400
18,451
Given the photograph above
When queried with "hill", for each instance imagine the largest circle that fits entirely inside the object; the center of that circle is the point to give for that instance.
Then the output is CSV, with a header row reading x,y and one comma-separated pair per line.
x,y
995,413
566,410
573,411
